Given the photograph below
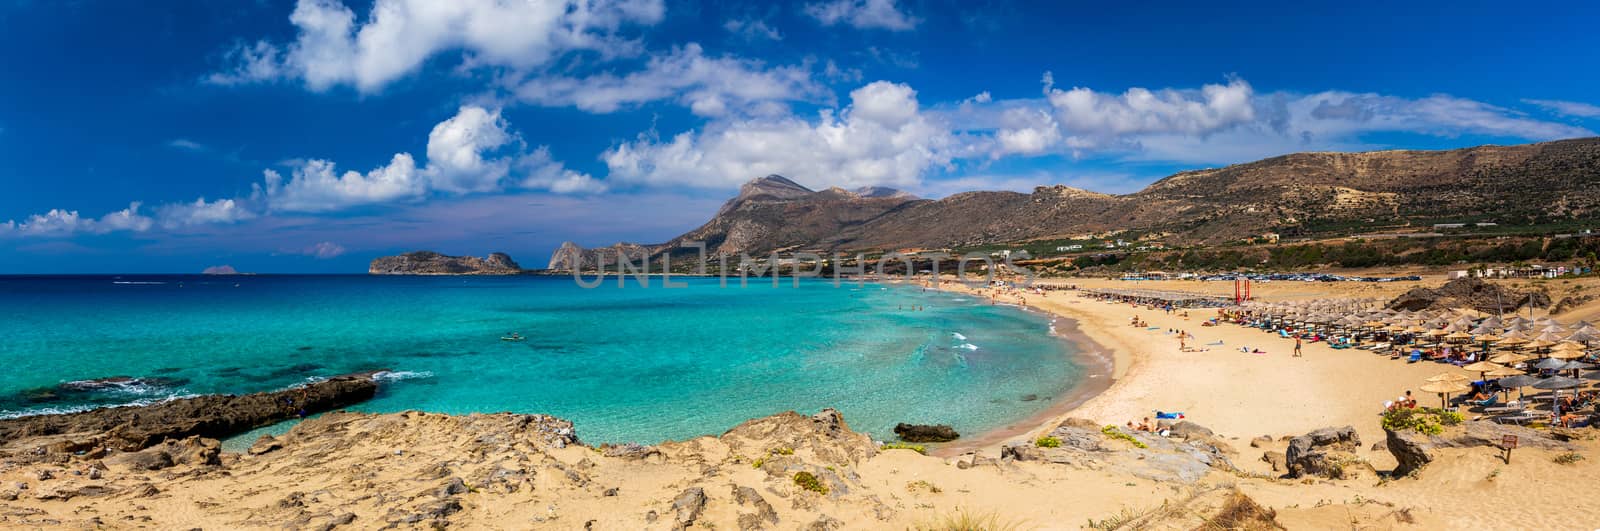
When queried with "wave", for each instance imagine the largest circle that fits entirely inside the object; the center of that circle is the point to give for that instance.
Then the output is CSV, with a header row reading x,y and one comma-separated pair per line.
x,y
968,346
958,335
67,410
395,376
138,283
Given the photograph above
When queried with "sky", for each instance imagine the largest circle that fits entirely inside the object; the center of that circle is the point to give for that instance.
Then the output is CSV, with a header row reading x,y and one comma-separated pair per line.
x,y
314,135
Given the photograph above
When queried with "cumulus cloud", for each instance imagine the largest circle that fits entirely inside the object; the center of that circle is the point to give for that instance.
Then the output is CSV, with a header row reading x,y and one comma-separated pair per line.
x,y
709,86
1568,108
397,37
60,222
201,212
862,14
316,186
475,151
881,138
457,148
1224,123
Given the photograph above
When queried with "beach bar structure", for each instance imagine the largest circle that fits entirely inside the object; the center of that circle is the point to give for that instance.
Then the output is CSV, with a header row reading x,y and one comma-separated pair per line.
x,y
1156,297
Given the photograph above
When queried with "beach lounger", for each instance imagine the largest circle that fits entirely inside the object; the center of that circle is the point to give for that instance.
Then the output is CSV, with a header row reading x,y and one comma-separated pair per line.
x,y
1416,356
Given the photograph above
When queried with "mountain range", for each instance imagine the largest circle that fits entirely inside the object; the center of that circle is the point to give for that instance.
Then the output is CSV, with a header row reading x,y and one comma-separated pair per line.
x,y
1296,195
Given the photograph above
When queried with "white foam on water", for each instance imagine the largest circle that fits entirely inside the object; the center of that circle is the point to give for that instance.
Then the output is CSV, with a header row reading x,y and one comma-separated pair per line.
x,y
395,376
968,346
958,335
66,410
137,283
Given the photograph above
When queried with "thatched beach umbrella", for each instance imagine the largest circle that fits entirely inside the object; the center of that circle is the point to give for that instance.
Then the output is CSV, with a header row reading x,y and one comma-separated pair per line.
x,y
1509,358
1445,389
1549,364
1557,382
1449,377
1481,368
1517,382
1499,372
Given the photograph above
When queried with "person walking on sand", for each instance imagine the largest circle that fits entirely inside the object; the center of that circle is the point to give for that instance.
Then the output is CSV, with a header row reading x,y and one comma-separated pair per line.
x,y
1297,346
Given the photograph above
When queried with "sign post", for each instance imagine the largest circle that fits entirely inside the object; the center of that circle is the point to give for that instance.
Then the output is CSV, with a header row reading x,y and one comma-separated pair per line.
x,y
1506,444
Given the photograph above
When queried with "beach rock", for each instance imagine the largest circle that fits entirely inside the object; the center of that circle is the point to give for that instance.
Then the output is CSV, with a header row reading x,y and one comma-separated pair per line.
x,y
1323,453
764,513
1188,430
143,460
1261,441
688,506
44,475
1413,450
824,523
629,451
925,433
1278,460
211,416
263,445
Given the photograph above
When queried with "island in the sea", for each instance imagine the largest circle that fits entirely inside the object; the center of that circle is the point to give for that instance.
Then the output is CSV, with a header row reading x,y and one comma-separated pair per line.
x,y
432,263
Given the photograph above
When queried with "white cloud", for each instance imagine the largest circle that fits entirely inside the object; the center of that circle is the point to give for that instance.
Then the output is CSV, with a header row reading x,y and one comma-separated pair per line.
x,y
1224,123
709,86
314,186
752,29
398,36
201,212
474,151
880,139
456,149
59,222
543,172
1140,110
862,14
1568,108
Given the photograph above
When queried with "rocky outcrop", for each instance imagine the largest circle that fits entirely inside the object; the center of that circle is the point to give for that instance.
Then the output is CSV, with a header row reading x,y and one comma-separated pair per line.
x,y
571,257
1474,293
1327,453
1078,443
1414,450
925,433
133,428
432,263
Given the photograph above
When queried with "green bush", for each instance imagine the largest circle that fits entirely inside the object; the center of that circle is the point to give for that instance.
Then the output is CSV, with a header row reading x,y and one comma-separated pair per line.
x,y
1429,421
1116,433
903,446
1047,442
810,482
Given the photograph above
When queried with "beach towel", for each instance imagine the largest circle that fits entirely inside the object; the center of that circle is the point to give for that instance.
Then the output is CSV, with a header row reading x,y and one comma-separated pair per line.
x,y
1169,415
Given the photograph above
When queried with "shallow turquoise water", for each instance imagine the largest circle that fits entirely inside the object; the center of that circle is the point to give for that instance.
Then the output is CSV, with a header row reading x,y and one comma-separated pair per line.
x,y
625,364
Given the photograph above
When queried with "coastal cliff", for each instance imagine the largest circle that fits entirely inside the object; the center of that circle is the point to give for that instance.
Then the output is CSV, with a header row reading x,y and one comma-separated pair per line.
x,y
432,263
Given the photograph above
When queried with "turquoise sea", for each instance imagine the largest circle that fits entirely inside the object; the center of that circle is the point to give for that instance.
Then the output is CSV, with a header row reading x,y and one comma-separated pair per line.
x,y
624,363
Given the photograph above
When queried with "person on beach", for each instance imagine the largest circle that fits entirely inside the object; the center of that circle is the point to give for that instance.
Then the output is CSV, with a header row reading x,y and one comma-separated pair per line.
x,y
1297,345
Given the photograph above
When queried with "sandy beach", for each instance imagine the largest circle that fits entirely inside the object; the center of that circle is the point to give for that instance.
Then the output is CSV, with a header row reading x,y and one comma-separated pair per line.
x,y
420,470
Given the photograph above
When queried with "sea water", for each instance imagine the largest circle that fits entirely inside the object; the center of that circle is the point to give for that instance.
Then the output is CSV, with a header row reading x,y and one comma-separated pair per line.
x,y
631,363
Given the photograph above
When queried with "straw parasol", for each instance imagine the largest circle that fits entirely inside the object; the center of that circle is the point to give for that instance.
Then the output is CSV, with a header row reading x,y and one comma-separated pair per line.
x,y
1445,389
1448,377
1503,371
1509,358
1566,354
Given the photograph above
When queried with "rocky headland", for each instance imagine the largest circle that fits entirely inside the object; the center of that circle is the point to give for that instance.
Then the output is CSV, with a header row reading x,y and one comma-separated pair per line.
x,y
432,263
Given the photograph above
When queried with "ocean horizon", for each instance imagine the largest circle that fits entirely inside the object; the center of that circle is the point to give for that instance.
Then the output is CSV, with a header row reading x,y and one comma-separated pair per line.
x,y
626,364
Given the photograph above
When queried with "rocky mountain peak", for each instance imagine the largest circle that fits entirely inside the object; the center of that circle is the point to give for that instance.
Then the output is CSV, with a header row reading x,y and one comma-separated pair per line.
x,y
773,187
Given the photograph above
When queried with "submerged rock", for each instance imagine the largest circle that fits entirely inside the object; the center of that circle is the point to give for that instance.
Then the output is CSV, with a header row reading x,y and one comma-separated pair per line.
x,y
133,428
926,433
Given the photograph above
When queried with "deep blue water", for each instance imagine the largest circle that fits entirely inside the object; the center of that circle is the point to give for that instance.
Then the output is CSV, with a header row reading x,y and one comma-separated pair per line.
x,y
625,364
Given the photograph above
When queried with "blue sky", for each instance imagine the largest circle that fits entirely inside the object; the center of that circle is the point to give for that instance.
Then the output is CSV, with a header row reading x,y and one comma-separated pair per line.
x,y
314,135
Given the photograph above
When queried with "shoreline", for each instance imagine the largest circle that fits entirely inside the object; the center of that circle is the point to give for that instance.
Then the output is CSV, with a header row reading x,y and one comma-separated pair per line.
x,y
1098,366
